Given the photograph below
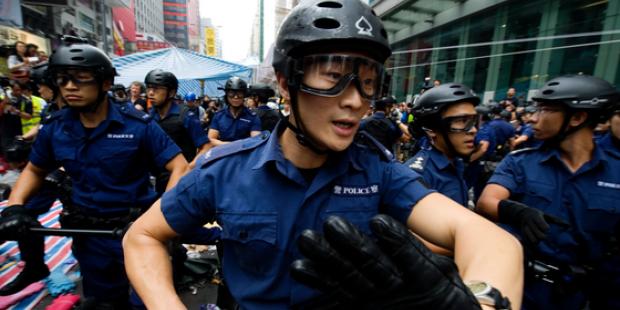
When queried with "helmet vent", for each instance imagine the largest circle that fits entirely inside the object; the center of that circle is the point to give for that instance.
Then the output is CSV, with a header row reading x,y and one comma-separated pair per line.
x,y
76,50
383,33
78,58
330,4
554,83
459,93
326,23
455,86
548,91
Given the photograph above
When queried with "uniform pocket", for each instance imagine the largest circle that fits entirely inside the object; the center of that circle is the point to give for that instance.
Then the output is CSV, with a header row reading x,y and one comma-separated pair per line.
x,y
602,213
118,161
67,159
252,238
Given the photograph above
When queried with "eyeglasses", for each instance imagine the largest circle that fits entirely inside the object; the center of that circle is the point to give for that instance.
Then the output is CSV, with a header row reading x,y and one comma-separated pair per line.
x,y
329,75
155,87
77,77
540,109
235,93
460,123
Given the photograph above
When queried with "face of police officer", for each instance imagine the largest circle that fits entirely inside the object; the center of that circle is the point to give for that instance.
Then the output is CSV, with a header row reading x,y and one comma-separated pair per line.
x,y
458,119
235,98
547,121
158,95
46,92
80,88
615,125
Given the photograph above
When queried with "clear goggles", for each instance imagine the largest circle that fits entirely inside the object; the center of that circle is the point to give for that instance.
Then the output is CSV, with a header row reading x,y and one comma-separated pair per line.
x,y
460,123
329,75
78,77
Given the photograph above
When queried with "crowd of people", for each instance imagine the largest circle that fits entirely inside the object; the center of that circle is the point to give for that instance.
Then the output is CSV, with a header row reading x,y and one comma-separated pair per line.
x,y
327,193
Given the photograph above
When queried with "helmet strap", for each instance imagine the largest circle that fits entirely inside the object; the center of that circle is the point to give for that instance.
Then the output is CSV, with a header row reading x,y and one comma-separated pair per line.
x,y
300,132
564,130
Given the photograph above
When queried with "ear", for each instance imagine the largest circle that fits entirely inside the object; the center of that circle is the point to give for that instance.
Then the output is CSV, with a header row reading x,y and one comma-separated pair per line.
x,y
283,86
578,118
107,85
172,94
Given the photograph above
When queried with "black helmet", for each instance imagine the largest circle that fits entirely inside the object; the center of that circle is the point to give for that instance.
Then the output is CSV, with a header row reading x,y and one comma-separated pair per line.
x,y
495,107
530,109
314,24
163,78
18,151
236,83
578,92
436,98
81,55
382,103
118,87
261,90
40,75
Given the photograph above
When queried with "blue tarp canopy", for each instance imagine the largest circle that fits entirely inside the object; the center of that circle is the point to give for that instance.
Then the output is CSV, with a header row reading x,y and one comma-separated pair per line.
x,y
189,67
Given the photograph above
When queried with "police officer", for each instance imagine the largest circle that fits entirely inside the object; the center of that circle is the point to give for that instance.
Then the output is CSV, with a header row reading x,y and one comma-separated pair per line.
x,y
611,140
380,127
478,170
119,93
279,185
40,76
268,117
447,114
561,198
236,121
504,131
194,106
102,146
176,120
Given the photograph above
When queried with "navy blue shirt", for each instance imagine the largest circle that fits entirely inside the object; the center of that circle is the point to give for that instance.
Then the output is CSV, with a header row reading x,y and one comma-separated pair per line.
x,y
440,174
390,137
503,130
587,199
110,167
486,133
267,203
231,128
608,143
190,123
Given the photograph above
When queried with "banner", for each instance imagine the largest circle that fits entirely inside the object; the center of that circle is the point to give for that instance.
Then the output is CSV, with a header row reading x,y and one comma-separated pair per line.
x,y
210,42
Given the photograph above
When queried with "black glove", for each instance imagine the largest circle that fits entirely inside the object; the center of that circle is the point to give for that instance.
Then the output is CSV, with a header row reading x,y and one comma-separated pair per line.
x,y
15,222
395,272
532,222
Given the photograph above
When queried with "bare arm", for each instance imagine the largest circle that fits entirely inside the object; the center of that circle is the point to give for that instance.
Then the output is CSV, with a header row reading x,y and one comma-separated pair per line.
x,y
483,251
214,134
489,199
254,133
482,148
146,260
29,182
204,148
177,167
520,139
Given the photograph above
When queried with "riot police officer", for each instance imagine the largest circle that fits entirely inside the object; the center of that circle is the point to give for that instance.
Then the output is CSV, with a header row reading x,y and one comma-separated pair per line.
x,y
561,198
380,126
268,117
447,114
236,121
328,60
181,124
101,145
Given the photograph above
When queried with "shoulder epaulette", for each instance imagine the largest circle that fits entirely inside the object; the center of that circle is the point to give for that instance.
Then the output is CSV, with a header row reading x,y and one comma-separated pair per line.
x,y
134,113
524,150
232,148
418,163
51,117
367,140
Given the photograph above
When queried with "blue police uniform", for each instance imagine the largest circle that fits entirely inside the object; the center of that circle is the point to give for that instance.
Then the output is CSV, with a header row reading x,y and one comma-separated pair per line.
x,y
475,171
528,130
503,130
231,128
261,226
587,199
607,143
109,166
190,122
440,174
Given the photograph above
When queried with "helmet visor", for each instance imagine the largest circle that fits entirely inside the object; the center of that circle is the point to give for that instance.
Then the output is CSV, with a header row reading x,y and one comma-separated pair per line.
x,y
329,75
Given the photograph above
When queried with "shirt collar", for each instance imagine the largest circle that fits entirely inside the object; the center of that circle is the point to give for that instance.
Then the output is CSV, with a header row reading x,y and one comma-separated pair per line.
x,y
244,111
175,109
71,119
439,159
273,152
554,154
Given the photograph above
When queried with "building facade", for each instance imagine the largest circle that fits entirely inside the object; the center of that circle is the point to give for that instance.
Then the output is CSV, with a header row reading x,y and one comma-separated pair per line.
x,y
176,22
150,17
492,45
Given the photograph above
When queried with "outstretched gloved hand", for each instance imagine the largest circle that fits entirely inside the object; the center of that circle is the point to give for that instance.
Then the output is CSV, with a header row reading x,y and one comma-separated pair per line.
x,y
394,272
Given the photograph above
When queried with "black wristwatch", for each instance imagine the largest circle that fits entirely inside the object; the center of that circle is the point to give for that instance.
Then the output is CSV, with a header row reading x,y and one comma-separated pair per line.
x,y
488,295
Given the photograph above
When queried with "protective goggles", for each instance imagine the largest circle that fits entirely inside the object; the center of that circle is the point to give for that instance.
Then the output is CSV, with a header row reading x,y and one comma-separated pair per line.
x,y
329,75
76,76
235,93
460,123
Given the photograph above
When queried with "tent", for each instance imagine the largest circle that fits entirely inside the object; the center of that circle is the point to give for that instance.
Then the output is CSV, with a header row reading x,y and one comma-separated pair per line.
x,y
190,68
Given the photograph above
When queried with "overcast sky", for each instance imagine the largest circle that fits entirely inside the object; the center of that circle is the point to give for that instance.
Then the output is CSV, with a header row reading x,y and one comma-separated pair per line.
x,y
235,19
